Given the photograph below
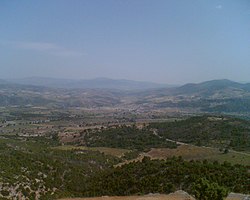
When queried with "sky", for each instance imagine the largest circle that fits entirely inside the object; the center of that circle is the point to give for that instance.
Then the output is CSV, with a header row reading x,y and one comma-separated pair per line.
x,y
164,41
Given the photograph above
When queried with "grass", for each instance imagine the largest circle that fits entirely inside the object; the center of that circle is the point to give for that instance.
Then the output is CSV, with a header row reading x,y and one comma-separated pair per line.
x,y
106,150
190,152
232,157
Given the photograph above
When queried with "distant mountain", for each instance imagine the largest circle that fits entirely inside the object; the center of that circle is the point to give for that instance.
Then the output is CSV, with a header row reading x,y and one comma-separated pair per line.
x,y
217,96
210,96
203,89
210,87
89,84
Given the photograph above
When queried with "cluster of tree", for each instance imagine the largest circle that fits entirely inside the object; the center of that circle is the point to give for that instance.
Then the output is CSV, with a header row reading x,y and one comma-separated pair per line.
x,y
203,103
158,176
128,137
208,130
205,190
131,155
238,105
33,165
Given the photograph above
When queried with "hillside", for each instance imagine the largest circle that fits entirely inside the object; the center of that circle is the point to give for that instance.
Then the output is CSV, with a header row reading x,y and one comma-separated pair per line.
x,y
165,176
126,137
29,95
216,96
221,132
216,131
56,158
209,87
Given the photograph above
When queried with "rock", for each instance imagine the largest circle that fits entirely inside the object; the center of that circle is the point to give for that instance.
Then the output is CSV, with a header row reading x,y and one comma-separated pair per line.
x,y
237,196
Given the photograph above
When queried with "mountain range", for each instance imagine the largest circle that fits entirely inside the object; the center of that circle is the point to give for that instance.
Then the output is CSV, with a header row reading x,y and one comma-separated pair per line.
x,y
106,83
207,87
211,96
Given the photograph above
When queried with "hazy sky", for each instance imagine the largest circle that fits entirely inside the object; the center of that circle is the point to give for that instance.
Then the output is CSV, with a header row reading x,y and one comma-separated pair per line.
x,y
167,41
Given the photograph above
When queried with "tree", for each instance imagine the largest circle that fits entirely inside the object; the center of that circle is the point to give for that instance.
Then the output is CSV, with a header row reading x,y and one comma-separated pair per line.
x,y
205,190
226,150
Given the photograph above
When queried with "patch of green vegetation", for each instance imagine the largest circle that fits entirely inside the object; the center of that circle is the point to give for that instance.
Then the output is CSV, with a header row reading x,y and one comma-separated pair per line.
x,y
215,131
232,157
131,155
205,190
237,105
127,137
159,176
106,150
40,164
32,165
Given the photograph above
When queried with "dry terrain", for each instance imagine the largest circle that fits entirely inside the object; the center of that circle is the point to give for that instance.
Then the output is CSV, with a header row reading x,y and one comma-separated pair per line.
x,y
178,195
191,152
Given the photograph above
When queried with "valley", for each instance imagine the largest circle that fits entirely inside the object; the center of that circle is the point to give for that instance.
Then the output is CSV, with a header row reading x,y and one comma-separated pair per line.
x,y
63,143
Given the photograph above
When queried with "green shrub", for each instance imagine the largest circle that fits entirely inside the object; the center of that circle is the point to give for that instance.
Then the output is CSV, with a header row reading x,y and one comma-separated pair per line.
x,y
205,190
